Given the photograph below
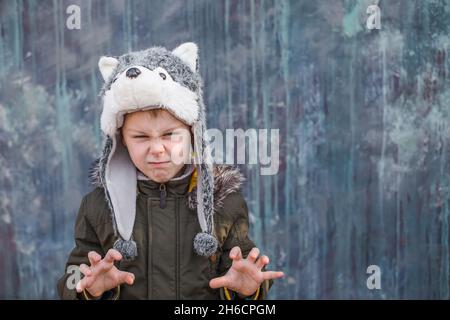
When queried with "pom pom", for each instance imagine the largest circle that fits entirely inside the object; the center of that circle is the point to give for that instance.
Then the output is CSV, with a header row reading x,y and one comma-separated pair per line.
x,y
205,244
127,248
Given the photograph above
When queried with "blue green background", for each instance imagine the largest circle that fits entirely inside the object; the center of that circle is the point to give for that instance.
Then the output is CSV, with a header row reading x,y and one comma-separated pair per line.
x,y
363,118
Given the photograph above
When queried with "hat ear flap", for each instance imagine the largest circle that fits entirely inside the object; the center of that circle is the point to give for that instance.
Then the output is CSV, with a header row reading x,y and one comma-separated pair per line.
x,y
205,243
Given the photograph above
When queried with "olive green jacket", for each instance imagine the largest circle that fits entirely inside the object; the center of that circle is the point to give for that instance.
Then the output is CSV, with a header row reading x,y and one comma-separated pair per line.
x,y
166,266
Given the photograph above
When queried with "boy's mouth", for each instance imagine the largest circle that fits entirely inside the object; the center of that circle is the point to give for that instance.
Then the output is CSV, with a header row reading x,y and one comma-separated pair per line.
x,y
159,163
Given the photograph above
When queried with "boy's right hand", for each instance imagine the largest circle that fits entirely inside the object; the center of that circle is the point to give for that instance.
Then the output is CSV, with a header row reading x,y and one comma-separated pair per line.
x,y
102,275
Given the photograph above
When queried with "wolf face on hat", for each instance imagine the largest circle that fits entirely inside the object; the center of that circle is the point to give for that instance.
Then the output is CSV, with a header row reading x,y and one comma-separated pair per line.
x,y
143,80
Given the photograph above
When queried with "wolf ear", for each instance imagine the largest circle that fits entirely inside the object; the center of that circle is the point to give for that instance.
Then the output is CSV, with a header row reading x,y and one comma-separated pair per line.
x,y
107,66
188,53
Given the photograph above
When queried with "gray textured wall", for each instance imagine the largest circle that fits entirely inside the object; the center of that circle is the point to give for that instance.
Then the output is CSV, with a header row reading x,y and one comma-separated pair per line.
x,y
363,118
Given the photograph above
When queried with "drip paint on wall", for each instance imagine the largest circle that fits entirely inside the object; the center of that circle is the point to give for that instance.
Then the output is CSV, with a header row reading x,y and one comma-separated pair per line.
x,y
363,118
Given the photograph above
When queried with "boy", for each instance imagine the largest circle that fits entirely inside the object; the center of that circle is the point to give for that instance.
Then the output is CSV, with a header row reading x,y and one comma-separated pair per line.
x,y
133,232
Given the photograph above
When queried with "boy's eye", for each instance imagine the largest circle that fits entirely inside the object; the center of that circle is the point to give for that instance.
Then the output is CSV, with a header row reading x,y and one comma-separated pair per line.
x,y
137,137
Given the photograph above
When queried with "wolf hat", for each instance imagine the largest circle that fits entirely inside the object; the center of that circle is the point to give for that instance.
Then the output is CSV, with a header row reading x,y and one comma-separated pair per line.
x,y
143,80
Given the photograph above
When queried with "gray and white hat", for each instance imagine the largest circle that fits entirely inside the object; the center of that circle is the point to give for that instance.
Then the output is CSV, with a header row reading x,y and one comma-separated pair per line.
x,y
142,80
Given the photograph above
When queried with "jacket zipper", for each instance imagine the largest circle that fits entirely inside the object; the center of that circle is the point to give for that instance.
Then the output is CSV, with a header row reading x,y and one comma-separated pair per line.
x,y
162,195
150,245
162,205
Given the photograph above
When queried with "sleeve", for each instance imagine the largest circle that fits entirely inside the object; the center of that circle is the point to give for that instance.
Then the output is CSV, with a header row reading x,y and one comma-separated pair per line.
x,y
86,240
238,236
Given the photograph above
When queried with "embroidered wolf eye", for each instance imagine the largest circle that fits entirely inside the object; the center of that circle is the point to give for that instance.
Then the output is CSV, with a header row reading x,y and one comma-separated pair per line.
x,y
162,75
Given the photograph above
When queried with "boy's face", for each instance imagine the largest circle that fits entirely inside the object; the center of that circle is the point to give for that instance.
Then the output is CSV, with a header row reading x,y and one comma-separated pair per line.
x,y
159,144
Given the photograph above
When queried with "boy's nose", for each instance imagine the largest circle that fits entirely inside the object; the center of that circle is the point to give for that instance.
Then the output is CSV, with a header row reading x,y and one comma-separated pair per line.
x,y
133,72
157,148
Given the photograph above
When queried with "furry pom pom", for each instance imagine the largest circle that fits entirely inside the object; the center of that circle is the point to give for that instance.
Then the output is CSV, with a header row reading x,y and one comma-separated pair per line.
x,y
205,244
127,248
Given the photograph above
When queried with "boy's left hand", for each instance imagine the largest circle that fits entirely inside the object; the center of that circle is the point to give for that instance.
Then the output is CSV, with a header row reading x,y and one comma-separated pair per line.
x,y
245,275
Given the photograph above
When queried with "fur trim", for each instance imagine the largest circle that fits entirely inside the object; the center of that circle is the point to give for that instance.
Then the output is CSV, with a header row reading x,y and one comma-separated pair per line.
x,y
227,179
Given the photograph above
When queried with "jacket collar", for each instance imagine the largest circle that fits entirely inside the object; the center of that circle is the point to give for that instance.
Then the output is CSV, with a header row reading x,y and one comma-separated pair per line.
x,y
178,185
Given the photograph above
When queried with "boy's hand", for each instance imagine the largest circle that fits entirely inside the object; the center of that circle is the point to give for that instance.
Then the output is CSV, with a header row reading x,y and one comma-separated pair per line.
x,y
102,275
245,275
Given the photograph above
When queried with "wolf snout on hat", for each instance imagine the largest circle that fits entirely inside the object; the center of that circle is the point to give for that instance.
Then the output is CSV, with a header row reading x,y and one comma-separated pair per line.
x,y
142,80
